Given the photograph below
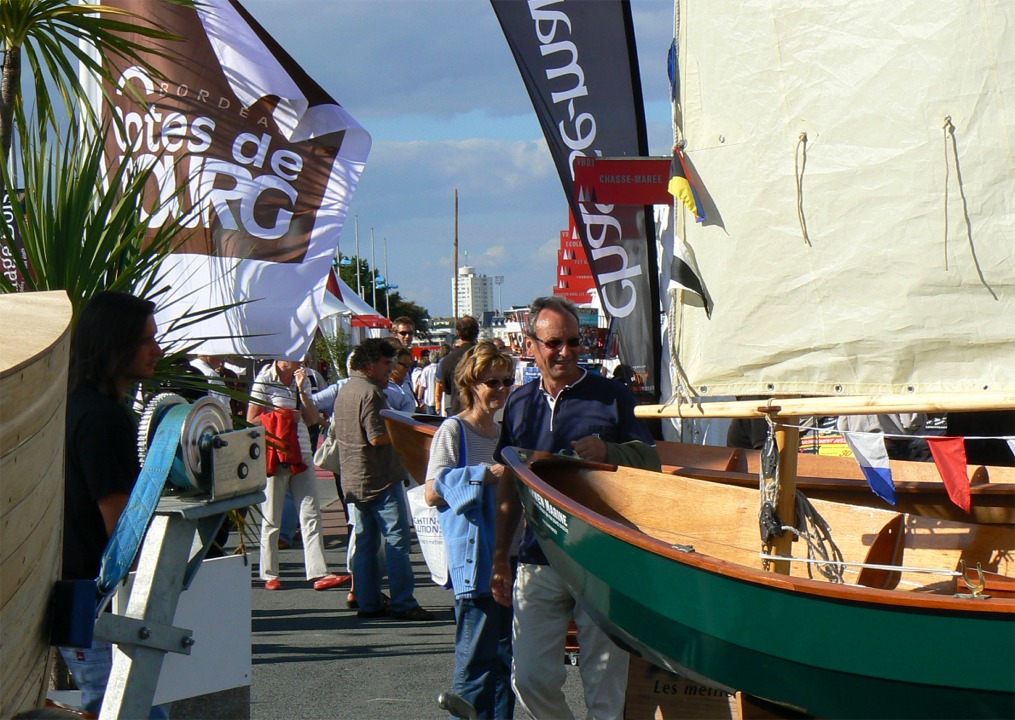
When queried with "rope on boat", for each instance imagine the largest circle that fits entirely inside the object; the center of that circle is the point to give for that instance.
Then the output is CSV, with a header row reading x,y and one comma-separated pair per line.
x,y
683,390
950,141
822,552
821,548
873,566
799,165
949,129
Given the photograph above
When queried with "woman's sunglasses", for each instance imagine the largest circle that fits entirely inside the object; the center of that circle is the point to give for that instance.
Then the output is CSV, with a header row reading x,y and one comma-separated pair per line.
x,y
496,383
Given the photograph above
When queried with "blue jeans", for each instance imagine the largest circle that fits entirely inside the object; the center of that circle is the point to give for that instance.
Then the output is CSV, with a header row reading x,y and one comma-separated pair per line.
x,y
483,656
386,516
90,669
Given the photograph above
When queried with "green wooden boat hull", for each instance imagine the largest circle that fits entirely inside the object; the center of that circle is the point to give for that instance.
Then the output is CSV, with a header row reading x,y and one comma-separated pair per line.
x,y
850,656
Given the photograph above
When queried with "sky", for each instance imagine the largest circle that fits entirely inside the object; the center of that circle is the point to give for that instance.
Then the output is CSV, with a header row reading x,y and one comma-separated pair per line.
x,y
436,86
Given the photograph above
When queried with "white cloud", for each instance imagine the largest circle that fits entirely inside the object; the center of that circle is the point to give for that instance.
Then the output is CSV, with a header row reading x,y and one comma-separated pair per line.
x,y
435,84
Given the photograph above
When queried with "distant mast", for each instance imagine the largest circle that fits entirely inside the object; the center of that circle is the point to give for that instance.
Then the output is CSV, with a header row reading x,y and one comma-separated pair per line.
x,y
359,283
455,279
387,298
373,271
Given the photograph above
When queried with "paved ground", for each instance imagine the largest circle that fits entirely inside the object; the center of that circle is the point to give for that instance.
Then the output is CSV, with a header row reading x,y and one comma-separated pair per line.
x,y
313,658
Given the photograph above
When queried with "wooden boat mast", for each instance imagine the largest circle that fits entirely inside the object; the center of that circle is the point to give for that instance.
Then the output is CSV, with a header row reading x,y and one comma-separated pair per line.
x,y
788,439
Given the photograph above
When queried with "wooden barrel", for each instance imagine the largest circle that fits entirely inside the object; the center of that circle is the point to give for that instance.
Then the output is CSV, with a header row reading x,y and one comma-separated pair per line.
x,y
33,402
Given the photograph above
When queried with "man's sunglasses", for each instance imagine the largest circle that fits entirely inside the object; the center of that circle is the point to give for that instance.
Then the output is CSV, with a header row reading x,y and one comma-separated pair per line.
x,y
572,342
404,332
496,383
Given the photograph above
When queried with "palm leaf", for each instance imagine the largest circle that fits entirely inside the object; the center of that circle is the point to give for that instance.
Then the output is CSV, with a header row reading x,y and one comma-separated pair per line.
x,y
59,39
81,228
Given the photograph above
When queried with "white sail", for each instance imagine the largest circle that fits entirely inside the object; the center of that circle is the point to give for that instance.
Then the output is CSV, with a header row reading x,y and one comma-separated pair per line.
x,y
877,256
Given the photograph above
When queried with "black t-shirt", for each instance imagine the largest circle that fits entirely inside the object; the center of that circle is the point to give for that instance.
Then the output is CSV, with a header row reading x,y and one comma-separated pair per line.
x,y
101,459
446,375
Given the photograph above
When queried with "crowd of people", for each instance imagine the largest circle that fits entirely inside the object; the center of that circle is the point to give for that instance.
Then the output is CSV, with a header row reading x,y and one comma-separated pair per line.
x,y
511,609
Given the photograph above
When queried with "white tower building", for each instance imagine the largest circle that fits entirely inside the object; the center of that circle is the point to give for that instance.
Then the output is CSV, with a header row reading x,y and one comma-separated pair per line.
x,y
475,292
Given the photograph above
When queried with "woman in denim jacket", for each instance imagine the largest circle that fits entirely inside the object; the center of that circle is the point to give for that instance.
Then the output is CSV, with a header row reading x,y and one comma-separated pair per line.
x,y
461,479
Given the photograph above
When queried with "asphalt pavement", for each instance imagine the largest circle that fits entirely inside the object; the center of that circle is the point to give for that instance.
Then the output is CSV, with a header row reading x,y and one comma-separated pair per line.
x,y
313,658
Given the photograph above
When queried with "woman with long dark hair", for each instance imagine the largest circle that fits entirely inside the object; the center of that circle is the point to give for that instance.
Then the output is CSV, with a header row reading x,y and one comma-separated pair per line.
x,y
112,348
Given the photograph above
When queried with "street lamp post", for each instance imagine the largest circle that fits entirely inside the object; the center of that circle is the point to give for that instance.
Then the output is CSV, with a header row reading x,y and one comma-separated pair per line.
x,y
498,280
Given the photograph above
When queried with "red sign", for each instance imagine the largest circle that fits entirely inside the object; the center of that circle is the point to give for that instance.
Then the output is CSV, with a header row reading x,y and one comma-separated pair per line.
x,y
622,181
371,321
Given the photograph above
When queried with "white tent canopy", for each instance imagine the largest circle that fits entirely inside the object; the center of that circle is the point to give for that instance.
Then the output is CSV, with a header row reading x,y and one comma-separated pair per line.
x,y
339,313
353,302
333,306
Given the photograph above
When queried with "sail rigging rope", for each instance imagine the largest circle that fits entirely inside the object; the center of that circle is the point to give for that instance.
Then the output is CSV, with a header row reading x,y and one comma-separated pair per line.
x,y
674,60
810,527
949,135
948,129
799,165
682,389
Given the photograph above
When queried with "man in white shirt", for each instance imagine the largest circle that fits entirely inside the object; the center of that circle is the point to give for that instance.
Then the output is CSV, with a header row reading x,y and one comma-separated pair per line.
x,y
426,386
210,366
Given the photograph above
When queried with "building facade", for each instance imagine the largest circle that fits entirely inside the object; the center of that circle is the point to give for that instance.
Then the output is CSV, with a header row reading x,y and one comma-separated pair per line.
x,y
475,292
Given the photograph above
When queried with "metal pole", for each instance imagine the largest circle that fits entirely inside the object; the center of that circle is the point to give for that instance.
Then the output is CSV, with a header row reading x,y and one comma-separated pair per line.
x,y
373,270
498,280
359,284
338,254
454,283
157,586
387,300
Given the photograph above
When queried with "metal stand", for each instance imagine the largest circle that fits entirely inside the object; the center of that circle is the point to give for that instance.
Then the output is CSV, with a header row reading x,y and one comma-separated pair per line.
x,y
165,568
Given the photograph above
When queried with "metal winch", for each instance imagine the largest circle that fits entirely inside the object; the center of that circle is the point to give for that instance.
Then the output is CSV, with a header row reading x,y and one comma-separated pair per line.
x,y
195,470
210,457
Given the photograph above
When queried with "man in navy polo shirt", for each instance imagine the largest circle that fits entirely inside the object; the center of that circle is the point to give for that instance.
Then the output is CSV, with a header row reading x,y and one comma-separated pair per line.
x,y
593,417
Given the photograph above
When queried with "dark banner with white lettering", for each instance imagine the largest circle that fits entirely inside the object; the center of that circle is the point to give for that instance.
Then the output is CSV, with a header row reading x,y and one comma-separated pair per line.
x,y
579,63
13,247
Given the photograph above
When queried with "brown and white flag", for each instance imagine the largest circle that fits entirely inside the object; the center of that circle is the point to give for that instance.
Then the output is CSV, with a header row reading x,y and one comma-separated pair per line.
x,y
259,161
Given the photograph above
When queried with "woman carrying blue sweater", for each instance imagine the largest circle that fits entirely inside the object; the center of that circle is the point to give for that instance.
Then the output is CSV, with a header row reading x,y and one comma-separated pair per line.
x,y
461,480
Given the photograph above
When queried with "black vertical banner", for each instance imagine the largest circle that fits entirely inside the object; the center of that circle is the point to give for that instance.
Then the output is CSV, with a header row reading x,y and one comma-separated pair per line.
x,y
8,265
579,63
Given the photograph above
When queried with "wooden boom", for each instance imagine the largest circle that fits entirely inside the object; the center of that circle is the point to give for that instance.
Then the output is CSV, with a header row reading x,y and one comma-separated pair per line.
x,y
850,405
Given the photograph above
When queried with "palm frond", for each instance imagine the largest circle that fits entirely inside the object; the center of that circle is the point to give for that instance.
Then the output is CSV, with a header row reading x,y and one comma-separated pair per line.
x,y
81,228
59,38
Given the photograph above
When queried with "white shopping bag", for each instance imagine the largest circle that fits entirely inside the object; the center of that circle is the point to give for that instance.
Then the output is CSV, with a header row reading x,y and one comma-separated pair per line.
x,y
428,531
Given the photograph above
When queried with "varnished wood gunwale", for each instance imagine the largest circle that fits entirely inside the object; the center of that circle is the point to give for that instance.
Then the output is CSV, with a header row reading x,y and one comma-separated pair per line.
x,y
918,485
411,436
543,467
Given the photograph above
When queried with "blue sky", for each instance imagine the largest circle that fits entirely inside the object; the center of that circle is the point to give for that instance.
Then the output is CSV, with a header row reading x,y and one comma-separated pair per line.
x,y
434,83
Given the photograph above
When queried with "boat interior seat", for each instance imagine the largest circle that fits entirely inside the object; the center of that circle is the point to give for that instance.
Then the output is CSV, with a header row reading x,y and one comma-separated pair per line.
x,y
887,549
703,457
